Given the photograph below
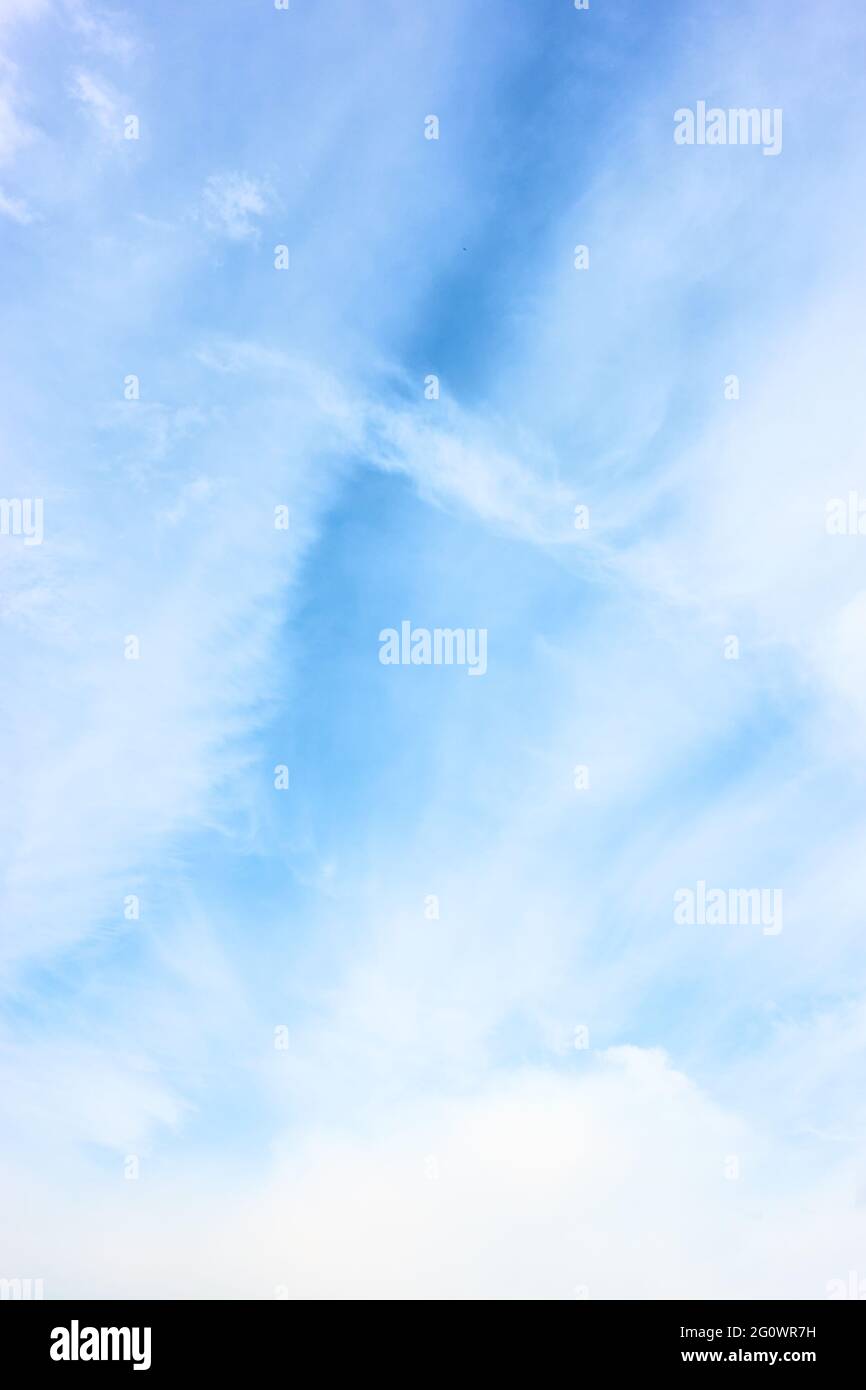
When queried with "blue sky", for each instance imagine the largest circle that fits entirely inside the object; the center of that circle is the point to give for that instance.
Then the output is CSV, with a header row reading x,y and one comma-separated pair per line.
x,y
430,1129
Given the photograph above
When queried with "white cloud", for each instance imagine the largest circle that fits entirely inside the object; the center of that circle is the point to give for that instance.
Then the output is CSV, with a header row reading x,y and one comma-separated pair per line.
x,y
606,1183
203,628
106,33
15,209
101,100
233,202
456,461
13,10
15,132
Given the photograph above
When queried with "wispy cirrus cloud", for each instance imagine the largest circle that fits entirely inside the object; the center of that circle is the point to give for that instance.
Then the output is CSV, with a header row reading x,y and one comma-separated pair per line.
x,y
15,209
233,204
100,100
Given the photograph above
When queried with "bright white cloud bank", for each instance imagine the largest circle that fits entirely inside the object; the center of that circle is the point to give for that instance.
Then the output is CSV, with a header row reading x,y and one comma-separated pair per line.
x,y
607,1183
